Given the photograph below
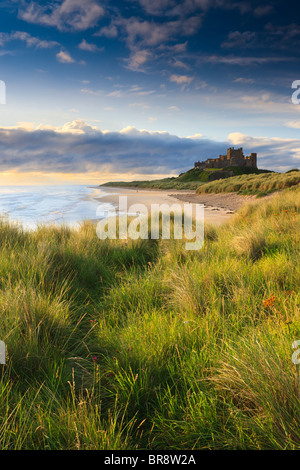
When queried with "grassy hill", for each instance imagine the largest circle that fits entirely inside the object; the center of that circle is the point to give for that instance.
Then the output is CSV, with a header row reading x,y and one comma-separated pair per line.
x,y
259,184
144,345
188,180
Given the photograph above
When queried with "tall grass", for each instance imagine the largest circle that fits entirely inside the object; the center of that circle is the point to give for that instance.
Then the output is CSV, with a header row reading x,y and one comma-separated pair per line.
x,y
164,183
260,185
145,345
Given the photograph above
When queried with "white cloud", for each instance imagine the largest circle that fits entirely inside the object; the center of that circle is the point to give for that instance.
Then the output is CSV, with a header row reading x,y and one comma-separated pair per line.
x,y
246,81
91,92
239,39
181,79
86,46
179,64
149,40
149,33
78,147
75,127
116,94
64,57
273,152
77,15
137,59
185,7
30,41
293,124
237,138
195,136
133,90
174,48
242,61
108,31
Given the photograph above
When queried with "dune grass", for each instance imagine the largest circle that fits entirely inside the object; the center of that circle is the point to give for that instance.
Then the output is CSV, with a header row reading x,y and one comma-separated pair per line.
x,y
164,184
190,180
144,345
259,185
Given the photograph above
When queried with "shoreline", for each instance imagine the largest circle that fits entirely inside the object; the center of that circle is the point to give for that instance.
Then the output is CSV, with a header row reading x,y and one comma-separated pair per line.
x,y
218,208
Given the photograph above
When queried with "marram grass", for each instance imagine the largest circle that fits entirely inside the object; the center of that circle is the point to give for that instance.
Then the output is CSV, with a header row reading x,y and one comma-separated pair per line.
x,y
256,184
144,345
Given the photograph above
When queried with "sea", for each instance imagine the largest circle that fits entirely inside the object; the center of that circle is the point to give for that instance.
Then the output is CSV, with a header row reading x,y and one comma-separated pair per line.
x,y
70,205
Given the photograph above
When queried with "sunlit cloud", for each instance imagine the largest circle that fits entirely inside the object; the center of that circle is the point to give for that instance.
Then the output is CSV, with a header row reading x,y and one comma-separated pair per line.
x,y
64,57
78,147
87,46
77,15
181,79
30,41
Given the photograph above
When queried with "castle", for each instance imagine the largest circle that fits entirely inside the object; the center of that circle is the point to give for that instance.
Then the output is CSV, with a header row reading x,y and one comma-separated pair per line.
x,y
234,157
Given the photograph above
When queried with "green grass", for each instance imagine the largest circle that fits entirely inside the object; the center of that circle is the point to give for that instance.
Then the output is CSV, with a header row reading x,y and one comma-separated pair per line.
x,y
256,184
165,183
144,345
191,179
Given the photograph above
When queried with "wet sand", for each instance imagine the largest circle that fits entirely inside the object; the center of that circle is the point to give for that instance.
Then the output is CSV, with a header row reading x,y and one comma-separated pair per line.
x,y
218,208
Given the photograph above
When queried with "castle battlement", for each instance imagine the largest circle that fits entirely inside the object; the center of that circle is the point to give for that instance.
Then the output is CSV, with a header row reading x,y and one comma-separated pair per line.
x,y
234,157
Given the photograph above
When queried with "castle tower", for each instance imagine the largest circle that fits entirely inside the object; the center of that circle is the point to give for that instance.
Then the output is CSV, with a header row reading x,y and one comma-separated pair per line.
x,y
233,157
253,157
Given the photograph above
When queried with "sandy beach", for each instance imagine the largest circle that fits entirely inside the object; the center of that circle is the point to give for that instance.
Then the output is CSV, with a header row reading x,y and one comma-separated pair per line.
x,y
218,208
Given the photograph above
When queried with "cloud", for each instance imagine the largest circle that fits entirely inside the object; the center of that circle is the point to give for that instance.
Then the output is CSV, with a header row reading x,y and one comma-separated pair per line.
x,y
272,36
282,37
108,31
86,46
243,60
195,136
273,152
30,41
150,40
293,124
238,39
134,90
179,64
181,79
64,57
150,33
74,127
78,147
157,7
139,105
175,48
76,15
188,7
137,59
263,10
246,81
91,92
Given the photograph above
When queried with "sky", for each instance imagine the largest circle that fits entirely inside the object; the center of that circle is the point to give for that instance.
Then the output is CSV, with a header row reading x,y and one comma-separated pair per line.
x,y
102,90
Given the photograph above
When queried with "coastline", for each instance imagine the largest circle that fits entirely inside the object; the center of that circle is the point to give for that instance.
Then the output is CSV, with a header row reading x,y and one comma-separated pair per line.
x,y
218,208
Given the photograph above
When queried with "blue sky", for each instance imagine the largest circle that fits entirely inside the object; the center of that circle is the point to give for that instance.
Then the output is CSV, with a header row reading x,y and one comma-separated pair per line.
x,y
99,90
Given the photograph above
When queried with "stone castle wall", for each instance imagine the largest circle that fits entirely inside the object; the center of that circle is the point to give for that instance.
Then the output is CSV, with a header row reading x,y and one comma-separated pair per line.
x,y
234,157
